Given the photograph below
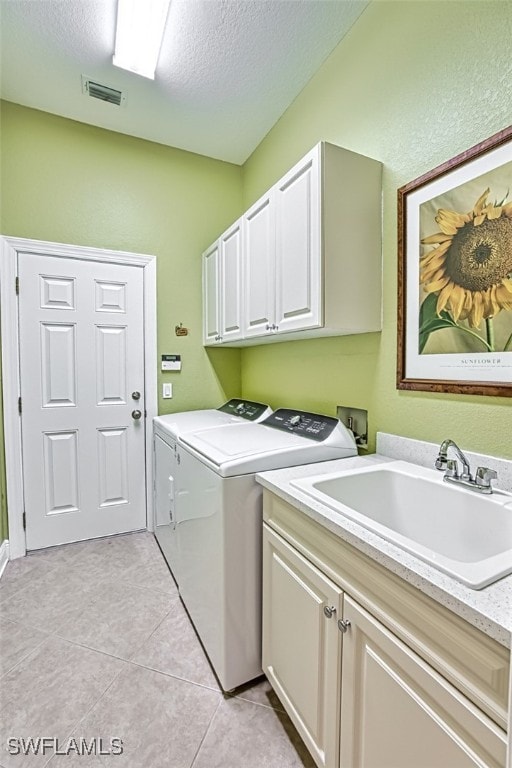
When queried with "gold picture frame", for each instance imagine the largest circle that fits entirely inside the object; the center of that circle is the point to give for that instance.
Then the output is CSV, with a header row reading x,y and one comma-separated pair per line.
x,y
455,274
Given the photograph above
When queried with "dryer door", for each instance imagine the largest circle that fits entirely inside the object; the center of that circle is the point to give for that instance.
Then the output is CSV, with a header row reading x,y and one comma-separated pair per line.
x,y
165,516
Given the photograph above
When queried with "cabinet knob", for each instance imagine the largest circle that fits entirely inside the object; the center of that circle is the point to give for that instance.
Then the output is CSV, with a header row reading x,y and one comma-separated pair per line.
x,y
329,611
343,625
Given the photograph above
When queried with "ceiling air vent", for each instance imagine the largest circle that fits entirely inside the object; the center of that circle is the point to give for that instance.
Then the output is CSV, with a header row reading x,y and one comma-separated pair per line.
x,y
102,92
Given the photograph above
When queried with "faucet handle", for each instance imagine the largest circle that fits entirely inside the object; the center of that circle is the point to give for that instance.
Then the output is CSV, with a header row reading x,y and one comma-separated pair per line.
x,y
441,462
484,476
452,468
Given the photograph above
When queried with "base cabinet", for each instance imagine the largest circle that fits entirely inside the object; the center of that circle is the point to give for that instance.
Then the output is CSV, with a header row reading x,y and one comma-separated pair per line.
x,y
357,694
397,712
301,650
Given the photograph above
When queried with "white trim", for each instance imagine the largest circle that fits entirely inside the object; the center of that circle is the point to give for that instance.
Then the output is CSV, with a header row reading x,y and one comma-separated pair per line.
x,y
4,555
10,247
11,391
151,378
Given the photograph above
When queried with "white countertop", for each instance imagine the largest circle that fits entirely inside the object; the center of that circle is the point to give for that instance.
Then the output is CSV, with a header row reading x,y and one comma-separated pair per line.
x,y
488,609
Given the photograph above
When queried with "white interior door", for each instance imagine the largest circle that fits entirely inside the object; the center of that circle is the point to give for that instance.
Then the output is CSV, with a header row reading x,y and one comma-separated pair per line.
x,y
81,366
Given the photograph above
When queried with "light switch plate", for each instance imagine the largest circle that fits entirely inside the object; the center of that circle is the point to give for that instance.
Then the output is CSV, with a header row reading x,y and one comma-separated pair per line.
x,y
166,390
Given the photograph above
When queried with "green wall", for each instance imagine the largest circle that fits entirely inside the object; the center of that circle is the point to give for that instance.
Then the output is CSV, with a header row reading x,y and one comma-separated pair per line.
x,y
413,84
68,182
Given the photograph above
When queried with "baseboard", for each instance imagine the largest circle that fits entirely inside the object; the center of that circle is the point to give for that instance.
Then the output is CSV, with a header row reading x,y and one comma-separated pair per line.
x,y
4,555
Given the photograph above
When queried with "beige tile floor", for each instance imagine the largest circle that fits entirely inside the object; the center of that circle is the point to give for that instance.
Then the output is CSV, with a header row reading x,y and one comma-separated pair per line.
x,y
95,642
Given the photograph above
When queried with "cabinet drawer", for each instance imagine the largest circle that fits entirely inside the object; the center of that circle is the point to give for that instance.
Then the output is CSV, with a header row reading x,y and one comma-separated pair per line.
x,y
474,663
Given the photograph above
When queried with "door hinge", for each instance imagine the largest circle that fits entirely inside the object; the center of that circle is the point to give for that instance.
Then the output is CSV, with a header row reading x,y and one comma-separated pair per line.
x,y
17,285
24,521
19,404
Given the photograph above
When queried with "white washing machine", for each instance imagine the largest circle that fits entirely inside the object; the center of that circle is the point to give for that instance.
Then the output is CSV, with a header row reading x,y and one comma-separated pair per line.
x,y
219,509
167,430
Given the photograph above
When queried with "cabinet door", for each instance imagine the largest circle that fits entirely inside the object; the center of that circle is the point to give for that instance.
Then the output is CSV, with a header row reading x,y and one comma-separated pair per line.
x,y
231,283
298,247
211,295
259,255
397,712
301,645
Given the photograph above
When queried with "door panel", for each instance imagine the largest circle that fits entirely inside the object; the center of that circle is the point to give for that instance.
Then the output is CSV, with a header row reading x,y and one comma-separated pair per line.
x,y
111,364
81,355
61,472
113,466
58,362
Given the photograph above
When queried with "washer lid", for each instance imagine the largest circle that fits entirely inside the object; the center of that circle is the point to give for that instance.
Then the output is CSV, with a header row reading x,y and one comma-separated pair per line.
x,y
246,448
240,440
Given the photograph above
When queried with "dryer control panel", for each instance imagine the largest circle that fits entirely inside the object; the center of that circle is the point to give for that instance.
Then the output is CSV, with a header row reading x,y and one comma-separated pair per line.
x,y
314,426
246,409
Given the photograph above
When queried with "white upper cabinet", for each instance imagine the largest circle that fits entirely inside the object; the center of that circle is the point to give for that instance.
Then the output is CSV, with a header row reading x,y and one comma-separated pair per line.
x,y
223,288
231,283
211,295
308,253
259,258
298,262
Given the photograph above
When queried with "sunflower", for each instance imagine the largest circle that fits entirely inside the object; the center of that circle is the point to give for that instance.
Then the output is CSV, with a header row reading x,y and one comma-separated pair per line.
x,y
470,268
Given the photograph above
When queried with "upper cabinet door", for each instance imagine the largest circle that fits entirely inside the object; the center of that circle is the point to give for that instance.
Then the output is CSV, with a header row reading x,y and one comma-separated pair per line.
x,y
298,246
211,300
259,253
231,283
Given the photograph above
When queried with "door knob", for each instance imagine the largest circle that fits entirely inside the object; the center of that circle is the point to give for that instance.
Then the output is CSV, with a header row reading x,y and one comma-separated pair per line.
x,y
136,415
136,395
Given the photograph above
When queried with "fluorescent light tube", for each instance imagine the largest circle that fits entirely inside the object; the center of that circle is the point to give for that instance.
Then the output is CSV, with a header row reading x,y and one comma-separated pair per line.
x,y
139,33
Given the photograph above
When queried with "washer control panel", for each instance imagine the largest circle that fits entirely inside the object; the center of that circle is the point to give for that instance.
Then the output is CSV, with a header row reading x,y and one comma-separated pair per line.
x,y
304,423
246,409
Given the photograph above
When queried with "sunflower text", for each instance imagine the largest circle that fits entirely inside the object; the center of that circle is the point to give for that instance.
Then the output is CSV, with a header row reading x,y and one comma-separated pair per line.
x,y
481,361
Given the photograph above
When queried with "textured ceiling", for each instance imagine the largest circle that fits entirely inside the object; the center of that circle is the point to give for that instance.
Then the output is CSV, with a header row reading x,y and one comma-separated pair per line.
x,y
228,69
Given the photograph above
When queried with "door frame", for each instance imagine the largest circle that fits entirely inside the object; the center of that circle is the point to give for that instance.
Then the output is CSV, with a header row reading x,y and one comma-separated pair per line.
x,y
10,247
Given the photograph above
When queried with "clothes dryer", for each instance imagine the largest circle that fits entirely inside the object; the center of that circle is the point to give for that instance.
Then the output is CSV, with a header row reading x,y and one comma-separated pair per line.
x,y
167,431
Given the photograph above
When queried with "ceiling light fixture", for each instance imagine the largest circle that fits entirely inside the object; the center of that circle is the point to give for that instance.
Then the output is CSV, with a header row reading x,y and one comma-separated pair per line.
x,y
139,33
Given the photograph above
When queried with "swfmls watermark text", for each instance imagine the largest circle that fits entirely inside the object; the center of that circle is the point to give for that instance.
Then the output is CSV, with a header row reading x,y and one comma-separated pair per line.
x,y
49,745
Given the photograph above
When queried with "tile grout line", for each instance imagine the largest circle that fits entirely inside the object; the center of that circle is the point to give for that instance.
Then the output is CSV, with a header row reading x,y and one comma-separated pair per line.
x,y
140,665
207,731
29,653
151,635
81,719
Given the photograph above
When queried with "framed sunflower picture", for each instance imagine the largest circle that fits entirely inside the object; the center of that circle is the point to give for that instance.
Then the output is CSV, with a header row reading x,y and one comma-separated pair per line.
x,y
455,274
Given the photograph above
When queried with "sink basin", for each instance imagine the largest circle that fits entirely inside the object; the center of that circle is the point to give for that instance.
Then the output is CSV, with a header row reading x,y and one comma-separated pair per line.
x,y
463,533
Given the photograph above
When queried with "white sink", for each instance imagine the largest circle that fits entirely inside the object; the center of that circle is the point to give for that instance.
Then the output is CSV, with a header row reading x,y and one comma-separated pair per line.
x,y
463,533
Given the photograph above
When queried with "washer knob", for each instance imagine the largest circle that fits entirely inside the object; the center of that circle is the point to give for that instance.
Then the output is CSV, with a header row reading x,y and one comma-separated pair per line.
x,y
295,420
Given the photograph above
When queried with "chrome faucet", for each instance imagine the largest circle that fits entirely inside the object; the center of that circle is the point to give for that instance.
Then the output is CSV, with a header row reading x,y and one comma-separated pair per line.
x,y
483,476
